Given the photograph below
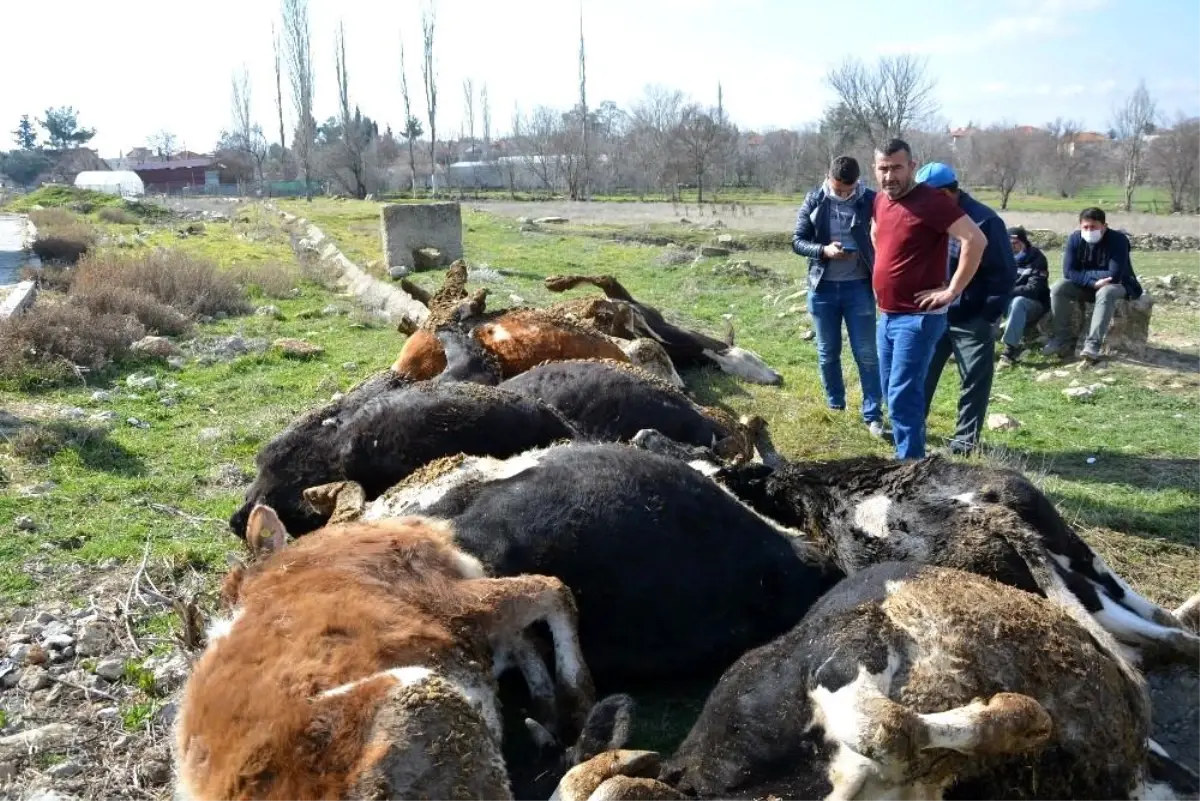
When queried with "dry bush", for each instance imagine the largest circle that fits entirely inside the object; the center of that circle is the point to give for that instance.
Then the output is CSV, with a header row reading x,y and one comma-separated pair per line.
x,y
115,214
39,443
61,236
39,346
193,285
156,316
50,276
272,280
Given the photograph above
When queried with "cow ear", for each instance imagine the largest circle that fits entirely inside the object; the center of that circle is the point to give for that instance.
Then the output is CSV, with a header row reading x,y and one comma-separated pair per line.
x,y
265,531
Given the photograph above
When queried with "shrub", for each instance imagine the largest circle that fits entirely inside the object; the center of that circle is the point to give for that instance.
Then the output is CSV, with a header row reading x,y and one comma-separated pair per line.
x,y
156,316
61,236
39,443
271,280
193,285
39,346
50,276
114,214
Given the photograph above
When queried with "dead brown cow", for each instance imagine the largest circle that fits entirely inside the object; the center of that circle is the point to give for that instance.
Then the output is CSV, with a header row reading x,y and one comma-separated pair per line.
x,y
359,663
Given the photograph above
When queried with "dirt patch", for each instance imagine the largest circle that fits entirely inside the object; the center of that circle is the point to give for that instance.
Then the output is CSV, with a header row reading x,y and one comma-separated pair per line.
x,y
782,217
1175,696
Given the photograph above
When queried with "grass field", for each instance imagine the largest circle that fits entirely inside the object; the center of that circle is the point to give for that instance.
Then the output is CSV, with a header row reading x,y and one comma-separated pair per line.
x,y
1123,468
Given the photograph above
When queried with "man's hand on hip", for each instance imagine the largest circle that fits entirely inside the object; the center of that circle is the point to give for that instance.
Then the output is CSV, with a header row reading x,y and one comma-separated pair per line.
x,y
931,299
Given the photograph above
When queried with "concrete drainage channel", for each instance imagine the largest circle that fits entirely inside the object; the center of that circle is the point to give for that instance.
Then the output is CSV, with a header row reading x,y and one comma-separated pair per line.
x,y
16,234
388,300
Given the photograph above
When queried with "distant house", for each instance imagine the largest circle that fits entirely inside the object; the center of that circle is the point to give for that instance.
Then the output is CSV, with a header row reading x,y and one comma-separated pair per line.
x,y
204,174
1086,139
958,134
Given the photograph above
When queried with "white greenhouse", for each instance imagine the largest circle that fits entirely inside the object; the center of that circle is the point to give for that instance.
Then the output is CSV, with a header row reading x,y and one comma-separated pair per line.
x,y
124,183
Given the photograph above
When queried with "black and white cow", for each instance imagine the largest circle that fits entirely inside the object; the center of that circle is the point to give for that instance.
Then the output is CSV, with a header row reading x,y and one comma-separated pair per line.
x,y
673,576
908,681
383,431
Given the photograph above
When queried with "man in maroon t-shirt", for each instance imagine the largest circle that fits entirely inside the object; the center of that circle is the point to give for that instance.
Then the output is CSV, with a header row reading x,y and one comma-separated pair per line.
x,y
911,230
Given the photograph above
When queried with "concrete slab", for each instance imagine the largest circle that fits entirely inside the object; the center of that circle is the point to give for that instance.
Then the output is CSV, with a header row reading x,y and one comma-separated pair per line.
x,y
408,227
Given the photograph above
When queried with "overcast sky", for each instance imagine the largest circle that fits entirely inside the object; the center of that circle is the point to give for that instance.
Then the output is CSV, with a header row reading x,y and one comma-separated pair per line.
x,y
132,67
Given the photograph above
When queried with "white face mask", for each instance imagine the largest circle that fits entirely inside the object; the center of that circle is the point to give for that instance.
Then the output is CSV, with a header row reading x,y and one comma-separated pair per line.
x,y
1093,236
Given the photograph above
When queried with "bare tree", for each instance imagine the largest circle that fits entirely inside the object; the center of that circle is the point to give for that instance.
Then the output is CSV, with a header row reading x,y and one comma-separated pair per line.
x,y
655,118
1003,155
583,114
541,139
163,143
469,111
485,108
412,129
279,94
300,72
1065,162
247,137
1131,122
886,100
1174,158
510,161
428,18
701,139
354,139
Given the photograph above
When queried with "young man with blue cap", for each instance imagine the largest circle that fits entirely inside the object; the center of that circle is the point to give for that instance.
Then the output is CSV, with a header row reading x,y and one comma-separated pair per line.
x,y
911,229
833,231
972,316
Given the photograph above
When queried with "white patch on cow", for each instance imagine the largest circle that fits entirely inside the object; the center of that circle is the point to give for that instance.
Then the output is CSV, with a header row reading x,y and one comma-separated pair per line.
x,y
1131,598
1153,791
742,363
1130,628
704,467
406,676
468,566
871,515
500,333
401,501
220,627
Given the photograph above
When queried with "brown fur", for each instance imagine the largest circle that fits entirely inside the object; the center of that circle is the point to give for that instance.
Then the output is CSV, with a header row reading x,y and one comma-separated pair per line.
x,y
421,358
339,606
530,338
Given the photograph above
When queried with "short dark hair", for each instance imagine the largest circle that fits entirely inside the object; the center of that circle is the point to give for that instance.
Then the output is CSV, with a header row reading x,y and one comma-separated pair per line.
x,y
894,146
844,169
1092,213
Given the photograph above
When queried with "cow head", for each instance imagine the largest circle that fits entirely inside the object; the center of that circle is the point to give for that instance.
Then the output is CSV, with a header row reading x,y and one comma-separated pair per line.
x,y
606,730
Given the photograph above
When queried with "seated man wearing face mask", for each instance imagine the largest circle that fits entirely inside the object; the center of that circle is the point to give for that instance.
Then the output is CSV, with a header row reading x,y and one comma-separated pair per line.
x,y
1096,269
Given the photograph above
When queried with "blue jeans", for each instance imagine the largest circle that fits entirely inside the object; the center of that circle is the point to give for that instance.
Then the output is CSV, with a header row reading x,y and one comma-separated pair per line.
x,y
1021,312
906,344
853,301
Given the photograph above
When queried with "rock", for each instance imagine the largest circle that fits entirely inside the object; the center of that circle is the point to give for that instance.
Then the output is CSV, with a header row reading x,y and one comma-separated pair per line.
x,y
108,714
165,718
1062,373
25,523
349,366
106,416
550,220
807,335
427,259
65,770
725,239
176,363
72,413
398,271
136,423
337,396
209,435
712,250
297,348
102,396
8,772
94,638
160,347
1167,281
34,678
1002,422
38,490
169,674
168,401
46,794
155,772
144,382
19,652
742,268
332,311
53,625
9,676
1079,393
21,637
111,669
269,311
516,299
59,641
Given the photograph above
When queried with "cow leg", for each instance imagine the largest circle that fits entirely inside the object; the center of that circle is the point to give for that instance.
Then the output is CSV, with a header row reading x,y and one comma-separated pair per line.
x,y
418,294
520,652
507,606
1131,628
1188,614
605,283
615,775
1129,598
878,736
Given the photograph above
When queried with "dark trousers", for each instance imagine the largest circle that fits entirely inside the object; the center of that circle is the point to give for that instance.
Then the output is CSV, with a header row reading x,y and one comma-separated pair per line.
x,y
974,346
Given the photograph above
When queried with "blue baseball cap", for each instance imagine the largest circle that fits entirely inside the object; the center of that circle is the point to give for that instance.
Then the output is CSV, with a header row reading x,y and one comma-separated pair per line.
x,y
936,174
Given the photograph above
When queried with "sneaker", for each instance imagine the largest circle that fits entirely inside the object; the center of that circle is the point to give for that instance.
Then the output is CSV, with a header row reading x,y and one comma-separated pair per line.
x,y
876,429
1055,347
1010,355
1090,351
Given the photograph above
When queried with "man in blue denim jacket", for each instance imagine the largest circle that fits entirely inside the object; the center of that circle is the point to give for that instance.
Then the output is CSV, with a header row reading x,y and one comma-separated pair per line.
x,y
833,231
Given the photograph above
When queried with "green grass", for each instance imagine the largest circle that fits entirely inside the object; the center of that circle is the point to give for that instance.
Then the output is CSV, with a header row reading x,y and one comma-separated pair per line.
x,y
85,201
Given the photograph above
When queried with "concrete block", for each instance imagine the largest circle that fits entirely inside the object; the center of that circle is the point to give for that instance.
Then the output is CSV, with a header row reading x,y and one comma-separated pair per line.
x,y
19,300
409,227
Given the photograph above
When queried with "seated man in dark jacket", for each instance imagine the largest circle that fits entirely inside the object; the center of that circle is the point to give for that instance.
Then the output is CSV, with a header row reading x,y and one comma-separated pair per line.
x,y
1031,293
833,231
1096,269
972,316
